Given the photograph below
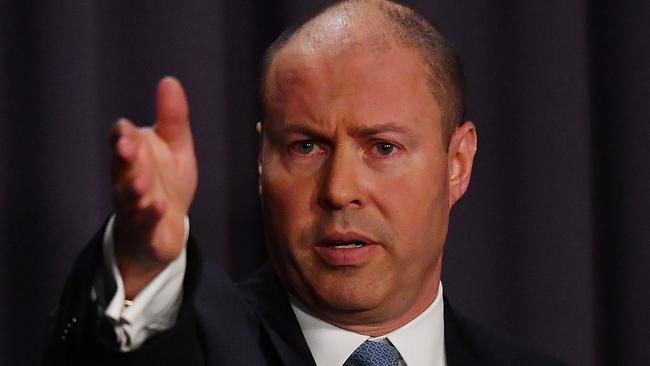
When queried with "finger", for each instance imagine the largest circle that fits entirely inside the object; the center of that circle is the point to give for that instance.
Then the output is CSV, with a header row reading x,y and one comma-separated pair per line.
x,y
125,158
126,148
172,124
125,140
139,195
149,216
122,127
140,188
131,195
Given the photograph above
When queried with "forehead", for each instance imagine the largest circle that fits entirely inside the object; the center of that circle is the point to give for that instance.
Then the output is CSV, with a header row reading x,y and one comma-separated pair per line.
x,y
362,74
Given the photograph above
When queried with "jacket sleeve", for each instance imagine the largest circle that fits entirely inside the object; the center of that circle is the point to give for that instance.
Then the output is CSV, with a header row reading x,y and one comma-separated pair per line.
x,y
79,333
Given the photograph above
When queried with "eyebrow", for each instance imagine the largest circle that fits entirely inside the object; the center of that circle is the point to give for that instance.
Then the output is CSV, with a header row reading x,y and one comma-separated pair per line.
x,y
299,128
360,131
365,131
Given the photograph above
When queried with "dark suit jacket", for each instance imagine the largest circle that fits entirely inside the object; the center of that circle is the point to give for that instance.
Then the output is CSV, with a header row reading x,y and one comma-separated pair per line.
x,y
221,323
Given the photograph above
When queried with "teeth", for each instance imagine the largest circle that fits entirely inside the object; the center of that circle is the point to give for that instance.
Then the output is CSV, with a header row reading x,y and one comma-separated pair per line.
x,y
351,245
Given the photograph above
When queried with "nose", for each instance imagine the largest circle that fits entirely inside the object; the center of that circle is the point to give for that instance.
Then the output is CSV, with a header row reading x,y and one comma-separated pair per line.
x,y
340,182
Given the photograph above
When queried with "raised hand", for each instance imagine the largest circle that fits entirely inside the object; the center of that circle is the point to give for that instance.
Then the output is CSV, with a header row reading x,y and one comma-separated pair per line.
x,y
154,180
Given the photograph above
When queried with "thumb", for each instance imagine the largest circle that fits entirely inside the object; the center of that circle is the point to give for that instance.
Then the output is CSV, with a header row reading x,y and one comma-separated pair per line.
x,y
172,117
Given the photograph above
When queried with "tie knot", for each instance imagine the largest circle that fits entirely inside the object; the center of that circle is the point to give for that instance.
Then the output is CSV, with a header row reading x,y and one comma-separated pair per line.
x,y
371,353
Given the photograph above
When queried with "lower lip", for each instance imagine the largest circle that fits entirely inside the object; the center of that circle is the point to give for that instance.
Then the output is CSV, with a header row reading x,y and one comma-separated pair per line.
x,y
345,256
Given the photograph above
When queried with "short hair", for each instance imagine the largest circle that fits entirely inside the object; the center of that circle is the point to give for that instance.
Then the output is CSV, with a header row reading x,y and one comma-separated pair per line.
x,y
444,68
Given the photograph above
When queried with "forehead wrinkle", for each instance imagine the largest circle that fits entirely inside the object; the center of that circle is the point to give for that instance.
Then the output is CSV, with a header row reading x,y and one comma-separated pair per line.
x,y
292,80
293,66
285,77
289,96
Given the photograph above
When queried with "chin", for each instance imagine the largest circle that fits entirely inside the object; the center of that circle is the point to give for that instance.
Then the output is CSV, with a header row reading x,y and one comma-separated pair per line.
x,y
345,293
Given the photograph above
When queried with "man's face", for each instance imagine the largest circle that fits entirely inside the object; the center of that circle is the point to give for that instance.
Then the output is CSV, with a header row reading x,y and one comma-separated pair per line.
x,y
354,181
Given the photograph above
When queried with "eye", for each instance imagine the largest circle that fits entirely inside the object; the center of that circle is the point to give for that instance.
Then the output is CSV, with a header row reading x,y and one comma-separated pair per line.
x,y
384,148
304,147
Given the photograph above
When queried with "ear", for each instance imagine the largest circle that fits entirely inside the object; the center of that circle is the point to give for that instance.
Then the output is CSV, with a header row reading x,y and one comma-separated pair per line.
x,y
258,128
462,148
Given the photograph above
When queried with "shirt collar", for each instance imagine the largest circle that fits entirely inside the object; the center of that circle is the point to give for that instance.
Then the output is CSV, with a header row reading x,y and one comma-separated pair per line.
x,y
419,342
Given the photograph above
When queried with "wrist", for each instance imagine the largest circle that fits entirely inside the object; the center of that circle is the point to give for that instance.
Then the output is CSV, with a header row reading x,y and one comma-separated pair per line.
x,y
141,255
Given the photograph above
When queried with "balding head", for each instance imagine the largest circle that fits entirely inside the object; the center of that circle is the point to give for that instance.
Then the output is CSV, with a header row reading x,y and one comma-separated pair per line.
x,y
375,26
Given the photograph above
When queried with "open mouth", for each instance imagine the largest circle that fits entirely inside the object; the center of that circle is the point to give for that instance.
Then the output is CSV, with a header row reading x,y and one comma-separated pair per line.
x,y
346,249
346,244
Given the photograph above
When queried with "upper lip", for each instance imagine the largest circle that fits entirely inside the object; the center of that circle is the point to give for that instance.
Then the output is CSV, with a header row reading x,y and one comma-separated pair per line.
x,y
350,236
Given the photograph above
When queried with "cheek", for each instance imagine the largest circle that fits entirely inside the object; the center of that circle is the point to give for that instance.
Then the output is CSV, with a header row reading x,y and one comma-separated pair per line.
x,y
287,208
416,207
286,199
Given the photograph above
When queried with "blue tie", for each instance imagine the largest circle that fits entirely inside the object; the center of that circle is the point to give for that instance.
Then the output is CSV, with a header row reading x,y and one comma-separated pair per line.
x,y
371,353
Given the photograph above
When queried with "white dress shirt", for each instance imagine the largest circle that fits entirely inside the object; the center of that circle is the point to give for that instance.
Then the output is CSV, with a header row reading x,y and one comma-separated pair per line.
x,y
420,342
154,309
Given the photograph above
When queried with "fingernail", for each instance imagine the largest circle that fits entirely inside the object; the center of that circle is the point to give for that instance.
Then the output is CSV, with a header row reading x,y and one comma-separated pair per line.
x,y
124,123
169,78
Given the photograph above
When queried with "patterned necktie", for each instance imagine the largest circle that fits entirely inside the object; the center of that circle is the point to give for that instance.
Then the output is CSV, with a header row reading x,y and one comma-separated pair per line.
x,y
371,353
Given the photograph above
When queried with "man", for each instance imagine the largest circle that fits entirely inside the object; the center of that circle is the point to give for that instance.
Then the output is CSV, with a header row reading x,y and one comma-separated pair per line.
x,y
364,152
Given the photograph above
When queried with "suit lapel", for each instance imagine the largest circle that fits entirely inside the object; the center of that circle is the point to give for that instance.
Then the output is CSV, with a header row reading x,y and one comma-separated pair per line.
x,y
468,343
270,301
458,348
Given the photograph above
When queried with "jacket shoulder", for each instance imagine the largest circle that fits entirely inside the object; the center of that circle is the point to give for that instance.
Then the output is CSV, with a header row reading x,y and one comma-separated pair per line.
x,y
470,343
268,297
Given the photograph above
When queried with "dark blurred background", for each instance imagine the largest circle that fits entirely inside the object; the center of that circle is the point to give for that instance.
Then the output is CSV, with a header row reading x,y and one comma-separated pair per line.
x,y
551,244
